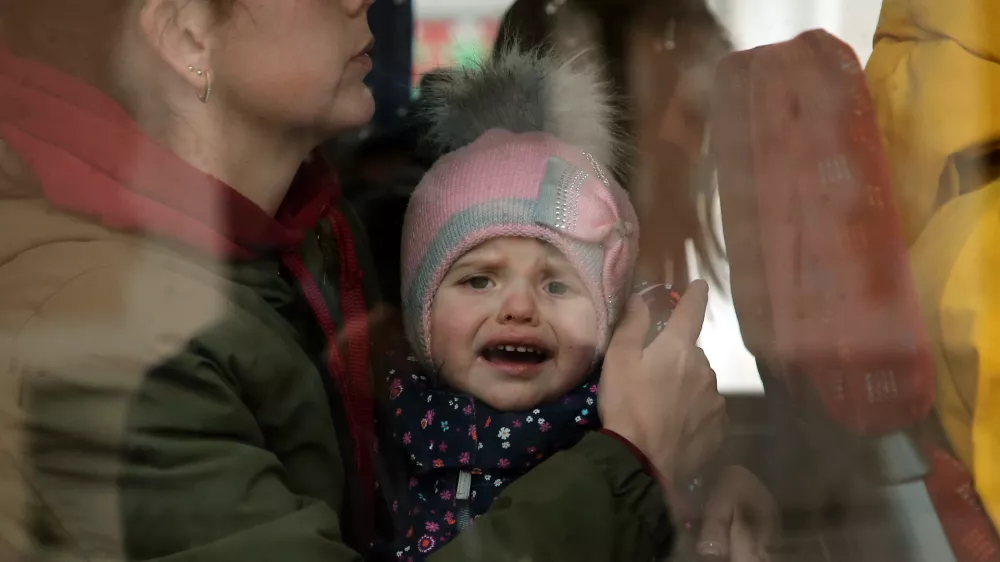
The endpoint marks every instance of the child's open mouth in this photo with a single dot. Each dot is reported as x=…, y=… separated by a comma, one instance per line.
x=515, y=354
x=516, y=358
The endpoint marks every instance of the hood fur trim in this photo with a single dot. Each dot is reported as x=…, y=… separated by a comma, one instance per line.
x=525, y=91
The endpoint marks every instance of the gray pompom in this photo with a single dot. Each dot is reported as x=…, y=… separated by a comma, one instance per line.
x=525, y=91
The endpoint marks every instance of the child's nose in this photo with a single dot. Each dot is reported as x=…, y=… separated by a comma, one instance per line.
x=518, y=307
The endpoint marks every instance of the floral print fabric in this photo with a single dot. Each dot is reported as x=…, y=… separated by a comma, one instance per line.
x=445, y=434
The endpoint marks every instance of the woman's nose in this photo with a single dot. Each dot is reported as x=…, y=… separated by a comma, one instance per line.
x=518, y=307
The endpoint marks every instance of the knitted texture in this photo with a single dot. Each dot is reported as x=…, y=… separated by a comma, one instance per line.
x=524, y=185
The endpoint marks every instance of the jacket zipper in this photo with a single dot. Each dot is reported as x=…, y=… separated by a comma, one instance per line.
x=462, y=495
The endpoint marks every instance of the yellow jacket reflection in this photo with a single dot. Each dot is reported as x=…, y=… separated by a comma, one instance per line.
x=935, y=78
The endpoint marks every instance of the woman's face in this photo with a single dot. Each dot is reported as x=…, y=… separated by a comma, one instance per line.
x=295, y=64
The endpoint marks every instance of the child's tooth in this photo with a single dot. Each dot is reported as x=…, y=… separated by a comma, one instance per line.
x=521, y=349
x=510, y=348
x=529, y=349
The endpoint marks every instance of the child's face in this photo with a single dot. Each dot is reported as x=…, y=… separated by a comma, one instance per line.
x=513, y=324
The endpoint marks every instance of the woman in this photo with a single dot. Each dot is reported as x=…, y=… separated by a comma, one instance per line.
x=183, y=308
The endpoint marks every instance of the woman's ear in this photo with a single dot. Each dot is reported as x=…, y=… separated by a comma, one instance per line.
x=179, y=31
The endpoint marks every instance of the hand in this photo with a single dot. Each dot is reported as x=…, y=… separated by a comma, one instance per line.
x=664, y=398
x=741, y=519
x=701, y=439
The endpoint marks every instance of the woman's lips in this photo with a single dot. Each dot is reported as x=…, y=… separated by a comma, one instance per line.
x=364, y=61
x=363, y=57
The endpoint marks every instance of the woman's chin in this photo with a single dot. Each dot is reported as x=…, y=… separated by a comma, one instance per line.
x=354, y=110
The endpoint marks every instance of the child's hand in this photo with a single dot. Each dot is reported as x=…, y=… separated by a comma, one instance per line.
x=664, y=398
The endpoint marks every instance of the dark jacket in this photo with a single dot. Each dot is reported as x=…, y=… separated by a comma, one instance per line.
x=169, y=387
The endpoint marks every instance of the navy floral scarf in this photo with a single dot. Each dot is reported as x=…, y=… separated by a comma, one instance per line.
x=462, y=453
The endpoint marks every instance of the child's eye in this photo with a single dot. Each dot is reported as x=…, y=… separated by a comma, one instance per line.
x=557, y=288
x=479, y=282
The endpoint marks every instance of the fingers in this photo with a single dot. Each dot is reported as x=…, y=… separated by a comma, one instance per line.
x=742, y=543
x=687, y=319
x=684, y=327
x=631, y=331
x=766, y=519
x=766, y=533
x=740, y=499
x=720, y=511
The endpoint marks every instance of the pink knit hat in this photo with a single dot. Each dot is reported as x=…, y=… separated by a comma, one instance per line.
x=520, y=168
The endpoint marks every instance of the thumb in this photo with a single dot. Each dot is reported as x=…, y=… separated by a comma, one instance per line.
x=632, y=329
x=713, y=542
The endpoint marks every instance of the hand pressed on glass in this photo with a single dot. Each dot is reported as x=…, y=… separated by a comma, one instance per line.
x=664, y=398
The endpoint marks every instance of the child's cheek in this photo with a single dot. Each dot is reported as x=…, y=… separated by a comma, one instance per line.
x=453, y=334
x=577, y=324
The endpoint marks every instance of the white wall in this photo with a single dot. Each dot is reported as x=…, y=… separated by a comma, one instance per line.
x=758, y=22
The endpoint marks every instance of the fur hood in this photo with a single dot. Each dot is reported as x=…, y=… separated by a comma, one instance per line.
x=525, y=91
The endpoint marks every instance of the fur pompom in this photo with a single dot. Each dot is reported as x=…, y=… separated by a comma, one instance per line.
x=525, y=91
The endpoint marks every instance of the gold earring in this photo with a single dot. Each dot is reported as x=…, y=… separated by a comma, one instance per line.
x=207, y=74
